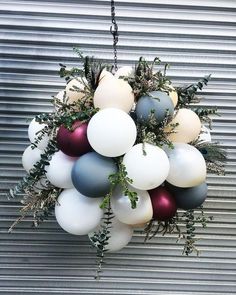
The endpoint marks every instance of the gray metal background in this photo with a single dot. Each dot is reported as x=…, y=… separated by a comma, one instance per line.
x=197, y=37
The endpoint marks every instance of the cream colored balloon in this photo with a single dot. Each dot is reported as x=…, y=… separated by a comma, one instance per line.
x=60, y=95
x=125, y=71
x=74, y=89
x=121, y=207
x=189, y=126
x=173, y=95
x=105, y=75
x=114, y=93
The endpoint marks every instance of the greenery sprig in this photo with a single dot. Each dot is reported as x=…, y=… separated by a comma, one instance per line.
x=100, y=239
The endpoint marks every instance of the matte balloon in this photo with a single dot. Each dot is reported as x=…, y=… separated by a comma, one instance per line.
x=114, y=93
x=73, y=142
x=173, y=95
x=147, y=170
x=105, y=75
x=189, y=126
x=90, y=174
x=74, y=89
x=205, y=135
x=156, y=101
x=189, y=198
x=121, y=207
x=125, y=71
x=187, y=166
x=111, y=132
x=163, y=203
x=77, y=214
x=30, y=157
x=59, y=170
x=33, y=130
x=120, y=235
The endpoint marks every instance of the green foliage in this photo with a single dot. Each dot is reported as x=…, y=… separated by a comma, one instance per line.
x=187, y=94
x=146, y=79
x=120, y=178
x=214, y=156
x=100, y=239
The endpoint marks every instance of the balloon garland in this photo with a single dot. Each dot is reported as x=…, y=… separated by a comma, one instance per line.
x=120, y=151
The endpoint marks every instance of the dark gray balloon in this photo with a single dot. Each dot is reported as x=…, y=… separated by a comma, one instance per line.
x=188, y=198
x=90, y=174
x=158, y=101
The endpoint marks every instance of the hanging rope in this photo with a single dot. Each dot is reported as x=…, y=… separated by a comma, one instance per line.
x=114, y=32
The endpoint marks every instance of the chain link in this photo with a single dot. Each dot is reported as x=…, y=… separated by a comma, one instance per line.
x=114, y=32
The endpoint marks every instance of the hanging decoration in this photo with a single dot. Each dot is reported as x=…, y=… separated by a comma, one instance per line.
x=123, y=148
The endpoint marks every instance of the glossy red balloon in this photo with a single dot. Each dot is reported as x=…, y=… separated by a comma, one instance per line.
x=73, y=143
x=164, y=205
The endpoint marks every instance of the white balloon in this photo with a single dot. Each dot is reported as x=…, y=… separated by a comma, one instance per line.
x=147, y=170
x=30, y=157
x=59, y=170
x=114, y=93
x=120, y=235
x=34, y=128
x=187, y=166
x=111, y=132
x=77, y=214
x=104, y=76
x=205, y=135
x=121, y=207
x=125, y=71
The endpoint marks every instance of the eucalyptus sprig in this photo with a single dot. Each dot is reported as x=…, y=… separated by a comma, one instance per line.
x=187, y=94
x=100, y=239
x=120, y=178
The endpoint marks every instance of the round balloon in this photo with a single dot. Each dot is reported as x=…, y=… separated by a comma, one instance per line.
x=90, y=174
x=189, y=126
x=125, y=71
x=73, y=142
x=173, y=95
x=163, y=203
x=187, y=166
x=33, y=130
x=77, y=214
x=111, y=132
x=156, y=101
x=30, y=157
x=189, y=198
x=74, y=89
x=121, y=207
x=105, y=75
x=114, y=93
x=205, y=135
x=59, y=170
x=120, y=235
x=147, y=165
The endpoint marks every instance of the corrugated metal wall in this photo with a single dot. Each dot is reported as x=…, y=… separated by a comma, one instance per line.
x=197, y=37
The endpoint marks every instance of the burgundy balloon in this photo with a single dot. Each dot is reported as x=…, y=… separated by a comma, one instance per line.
x=73, y=143
x=163, y=204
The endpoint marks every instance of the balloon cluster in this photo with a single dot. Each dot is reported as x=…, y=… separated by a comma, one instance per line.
x=163, y=177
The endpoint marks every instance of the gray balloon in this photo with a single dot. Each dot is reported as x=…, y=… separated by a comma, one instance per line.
x=159, y=102
x=189, y=198
x=90, y=174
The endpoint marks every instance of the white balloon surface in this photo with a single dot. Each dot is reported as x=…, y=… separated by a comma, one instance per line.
x=30, y=157
x=120, y=235
x=111, y=132
x=187, y=166
x=147, y=169
x=125, y=71
x=59, y=170
x=34, y=128
x=77, y=214
x=114, y=93
x=74, y=89
x=121, y=207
